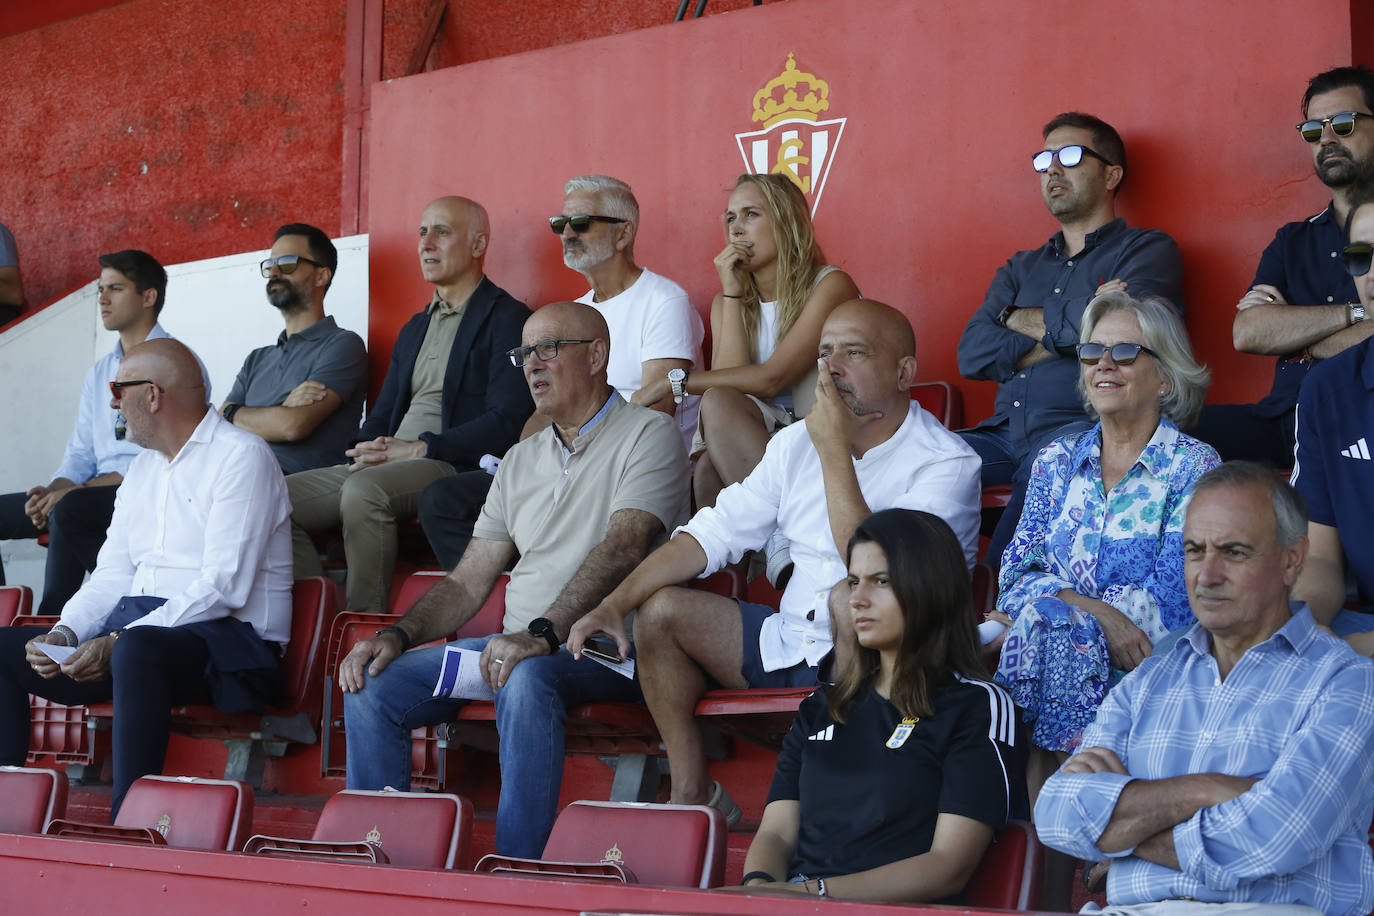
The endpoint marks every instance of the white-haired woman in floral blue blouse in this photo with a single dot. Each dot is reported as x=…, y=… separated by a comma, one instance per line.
x=1093, y=576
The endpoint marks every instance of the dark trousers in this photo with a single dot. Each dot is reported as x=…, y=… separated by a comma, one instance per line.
x=1239, y=431
x=1003, y=463
x=448, y=510
x=151, y=670
x=76, y=531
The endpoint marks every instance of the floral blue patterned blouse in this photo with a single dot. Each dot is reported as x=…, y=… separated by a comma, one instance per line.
x=1124, y=548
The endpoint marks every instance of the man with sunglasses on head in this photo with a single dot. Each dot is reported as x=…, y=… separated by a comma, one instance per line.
x=1302, y=306
x=76, y=505
x=191, y=599
x=450, y=396
x=1025, y=333
x=304, y=394
x=574, y=507
x=1333, y=466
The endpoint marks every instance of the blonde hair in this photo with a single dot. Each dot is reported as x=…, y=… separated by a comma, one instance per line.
x=799, y=257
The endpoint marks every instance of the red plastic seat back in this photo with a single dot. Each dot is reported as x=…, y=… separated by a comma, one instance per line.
x=669, y=845
x=191, y=813
x=15, y=600
x=32, y=798
x=1009, y=876
x=942, y=400
x=416, y=829
x=313, y=603
x=486, y=621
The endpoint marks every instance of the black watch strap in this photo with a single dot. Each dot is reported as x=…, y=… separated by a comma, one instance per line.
x=542, y=626
x=400, y=634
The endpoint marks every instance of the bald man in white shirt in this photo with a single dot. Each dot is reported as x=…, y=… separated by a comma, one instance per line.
x=190, y=601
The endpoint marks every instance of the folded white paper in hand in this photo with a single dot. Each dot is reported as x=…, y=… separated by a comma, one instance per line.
x=460, y=678
x=55, y=652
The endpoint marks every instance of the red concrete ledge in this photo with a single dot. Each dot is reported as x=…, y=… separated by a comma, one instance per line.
x=54, y=875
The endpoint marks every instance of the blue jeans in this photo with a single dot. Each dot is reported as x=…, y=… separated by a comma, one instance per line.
x=531, y=716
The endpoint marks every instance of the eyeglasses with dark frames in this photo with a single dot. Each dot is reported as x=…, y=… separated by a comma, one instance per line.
x=1342, y=125
x=546, y=350
x=1356, y=257
x=285, y=263
x=117, y=388
x=580, y=223
x=1068, y=156
x=1123, y=354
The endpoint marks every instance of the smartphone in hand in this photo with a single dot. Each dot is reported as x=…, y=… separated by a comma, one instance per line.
x=602, y=647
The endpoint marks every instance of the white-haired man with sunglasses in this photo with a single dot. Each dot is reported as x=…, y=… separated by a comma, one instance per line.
x=304, y=393
x=1302, y=306
x=1025, y=333
x=1333, y=467
x=653, y=325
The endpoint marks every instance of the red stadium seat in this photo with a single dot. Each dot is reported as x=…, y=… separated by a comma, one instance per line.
x=428, y=744
x=62, y=732
x=33, y=797
x=1009, y=877
x=942, y=400
x=177, y=811
x=667, y=845
x=418, y=830
x=15, y=600
x=251, y=738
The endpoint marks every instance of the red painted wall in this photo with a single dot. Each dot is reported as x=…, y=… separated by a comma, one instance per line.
x=930, y=188
x=188, y=129
x=194, y=129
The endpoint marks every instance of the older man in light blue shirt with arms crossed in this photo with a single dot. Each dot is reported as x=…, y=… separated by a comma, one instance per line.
x=1234, y=770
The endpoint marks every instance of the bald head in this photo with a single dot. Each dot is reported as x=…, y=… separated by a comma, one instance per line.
x=462, y=211
x=567, y=321
x=882, y=321
x=454, y=232
x=169, y=363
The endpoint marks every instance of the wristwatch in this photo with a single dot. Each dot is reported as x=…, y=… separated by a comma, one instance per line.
x=1355, y=315
x=677, y=379
x=543, y=628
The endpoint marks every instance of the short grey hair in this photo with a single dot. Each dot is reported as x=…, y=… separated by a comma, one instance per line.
x=615, y=196
x=1290, y=509
x=1165, y=334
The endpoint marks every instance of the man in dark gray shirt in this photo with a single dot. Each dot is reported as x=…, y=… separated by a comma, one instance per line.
x=1025, y=333
x=304, y=394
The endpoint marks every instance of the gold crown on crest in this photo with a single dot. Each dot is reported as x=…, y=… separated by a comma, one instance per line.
x=770, y=109
x=373, y=836
x=164, y=824
x=613, y=854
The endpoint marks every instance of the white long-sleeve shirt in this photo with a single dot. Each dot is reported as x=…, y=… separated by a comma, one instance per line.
x=209, y=531
x=922, y=466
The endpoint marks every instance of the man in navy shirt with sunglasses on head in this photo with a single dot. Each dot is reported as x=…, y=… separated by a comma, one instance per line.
x=1025, y=333
x=1302, y=307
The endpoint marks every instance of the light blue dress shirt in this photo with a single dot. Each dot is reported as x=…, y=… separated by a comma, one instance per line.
x=1296, y=712
x=92, y=449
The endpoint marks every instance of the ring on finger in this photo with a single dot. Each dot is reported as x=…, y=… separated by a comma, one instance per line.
x=499, y=661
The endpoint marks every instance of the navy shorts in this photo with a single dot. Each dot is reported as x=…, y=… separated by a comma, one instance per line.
x=801, y=674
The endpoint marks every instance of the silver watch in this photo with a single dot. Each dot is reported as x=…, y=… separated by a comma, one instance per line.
x=1356, y=313
x=677, y=379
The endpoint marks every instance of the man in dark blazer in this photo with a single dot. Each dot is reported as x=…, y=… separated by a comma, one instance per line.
x=450, y=396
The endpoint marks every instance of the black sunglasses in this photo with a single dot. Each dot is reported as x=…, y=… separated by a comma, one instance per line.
x=285, y=263
x=117, y=388
x=545, y=349
x=1356, y=258
x=1123, y=354
x=1068, y=156
x=1342, y=125
x=580, y=223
